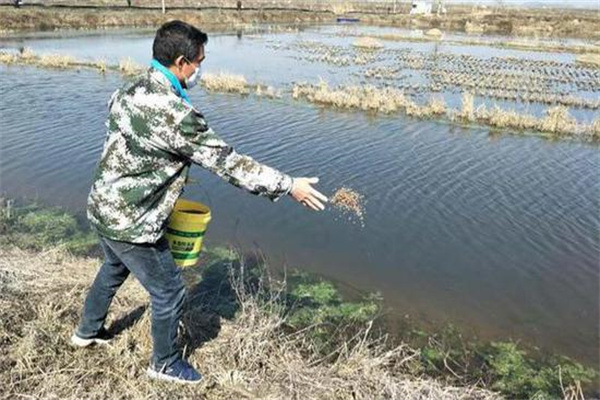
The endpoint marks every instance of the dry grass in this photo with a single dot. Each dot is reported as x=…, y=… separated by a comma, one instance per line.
x=58, y=61
x=339, y=8
x=398, y=37
x=101, y=66
x=434, y=33
x=499, y=118
x=268, y=91
x=536, y=45
x=436, y=107
x=251, y=357
x=225, y=83
x=475, y=28
x=467, y=110
x=558, y=121
x=589, y=59
x=8, y=58
x=129, y=67
x=28, y=57
x=366, y=98
x=220, y=82
x=594, y=130
x=367, y=43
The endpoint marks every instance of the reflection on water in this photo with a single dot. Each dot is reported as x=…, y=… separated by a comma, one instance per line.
x=498, y=235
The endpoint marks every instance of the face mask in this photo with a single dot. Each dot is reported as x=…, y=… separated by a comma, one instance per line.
x=193, y=79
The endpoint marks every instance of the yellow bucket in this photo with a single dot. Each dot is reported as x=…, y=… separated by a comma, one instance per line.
x=185, y=231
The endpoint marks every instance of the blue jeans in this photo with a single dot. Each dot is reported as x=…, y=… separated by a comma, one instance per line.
x=152, y=264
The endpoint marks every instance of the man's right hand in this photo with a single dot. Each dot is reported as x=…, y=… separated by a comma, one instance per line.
x=304, y=193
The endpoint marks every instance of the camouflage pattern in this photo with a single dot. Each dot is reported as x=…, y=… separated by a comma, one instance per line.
x=153, y=137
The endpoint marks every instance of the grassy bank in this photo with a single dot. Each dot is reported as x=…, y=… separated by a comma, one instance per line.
x=473, y=20
x=44, y=19
x=239, y=329
x=251, y=356
x=252, y=336
x=506, y=20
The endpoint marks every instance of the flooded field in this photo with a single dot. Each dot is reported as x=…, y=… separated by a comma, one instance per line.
x=497, y=234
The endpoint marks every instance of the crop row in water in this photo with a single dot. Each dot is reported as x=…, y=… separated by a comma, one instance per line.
x=581, y=74
x=583, y=77
x=314, y=51
x=336, y=55
x=494, y=80
x=504, y=78
x=510, y=87
x=557, y=122
x=523, y=44
x=402, y=81
x=382, y=72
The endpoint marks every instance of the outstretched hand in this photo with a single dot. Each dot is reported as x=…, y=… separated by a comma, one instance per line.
x=304, y=193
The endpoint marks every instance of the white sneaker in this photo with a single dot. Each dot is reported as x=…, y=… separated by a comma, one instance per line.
x=101, y=338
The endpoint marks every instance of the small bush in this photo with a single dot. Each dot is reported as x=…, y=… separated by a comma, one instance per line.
x=519, y=376
x=51, y=226
x=321, y=293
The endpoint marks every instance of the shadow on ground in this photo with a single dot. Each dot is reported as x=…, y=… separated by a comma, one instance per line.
x=210, y=297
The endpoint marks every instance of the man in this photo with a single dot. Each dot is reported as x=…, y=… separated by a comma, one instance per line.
x=154, y=134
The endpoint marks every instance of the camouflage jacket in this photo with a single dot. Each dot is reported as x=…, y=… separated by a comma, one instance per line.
x=153, y=137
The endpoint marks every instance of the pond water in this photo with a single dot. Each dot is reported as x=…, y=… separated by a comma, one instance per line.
x=497, y=234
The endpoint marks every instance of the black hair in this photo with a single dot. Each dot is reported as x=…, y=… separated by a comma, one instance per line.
x=177, y=38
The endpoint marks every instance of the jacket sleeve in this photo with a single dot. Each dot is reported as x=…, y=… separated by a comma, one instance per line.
x=195, y=140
